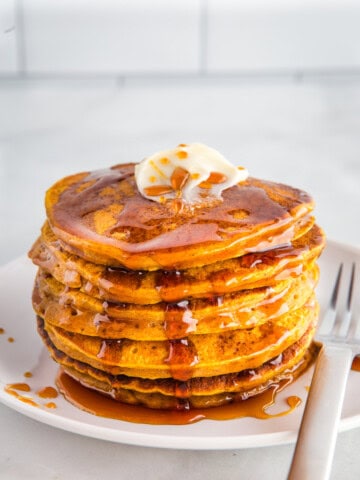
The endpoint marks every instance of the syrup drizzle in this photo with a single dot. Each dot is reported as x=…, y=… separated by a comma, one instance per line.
x=183, y=356
x=139, y=220
x=175, y=285
x=179, y=321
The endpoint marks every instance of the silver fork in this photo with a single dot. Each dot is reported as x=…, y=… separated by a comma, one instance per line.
x=339, y=333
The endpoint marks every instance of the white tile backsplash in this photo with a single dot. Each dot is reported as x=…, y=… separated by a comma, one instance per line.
x=279, y=35
x=8, y=47
x=170, y=37
x=111, y=36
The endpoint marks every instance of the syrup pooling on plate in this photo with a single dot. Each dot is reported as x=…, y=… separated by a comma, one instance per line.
x=100, y=405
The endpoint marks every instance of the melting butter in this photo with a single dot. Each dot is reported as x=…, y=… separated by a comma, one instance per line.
x=191, y=172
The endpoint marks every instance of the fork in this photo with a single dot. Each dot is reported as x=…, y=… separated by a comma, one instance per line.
x=339, y=333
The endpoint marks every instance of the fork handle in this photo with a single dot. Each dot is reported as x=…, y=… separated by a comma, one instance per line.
x=317, y=436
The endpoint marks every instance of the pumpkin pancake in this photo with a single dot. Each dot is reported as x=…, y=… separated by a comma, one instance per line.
x=130, y=286
x=197, y=356
x=171, y=285
x=196, y=392
x=102, y=217
x=77, y=312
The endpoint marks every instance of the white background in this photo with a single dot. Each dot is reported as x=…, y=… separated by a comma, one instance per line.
x=275, y=86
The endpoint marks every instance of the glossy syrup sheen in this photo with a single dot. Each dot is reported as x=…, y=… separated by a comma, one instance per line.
x=100, y=405
x=356, y=364
x=179, y=323
x=47, y=392
x=22, y=392
x=182, y=352
x=172, y=285
x=14, y=389
x=144, y=225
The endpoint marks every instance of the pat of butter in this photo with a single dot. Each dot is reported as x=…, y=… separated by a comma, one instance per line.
x=191, y=172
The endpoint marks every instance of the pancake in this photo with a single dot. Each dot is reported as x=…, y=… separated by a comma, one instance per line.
x=161, y=296
x=197, y=356
x=132, y=286
x=203, y=392
x=80, y=313
x=102, y=217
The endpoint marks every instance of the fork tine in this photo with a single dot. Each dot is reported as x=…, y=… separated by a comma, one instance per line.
x=343, y=303
x=328, y=321
x=351, y=287
x=355, y=321
x=335, y=292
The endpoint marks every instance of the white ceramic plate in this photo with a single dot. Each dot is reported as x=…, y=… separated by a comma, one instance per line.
x=27, y=353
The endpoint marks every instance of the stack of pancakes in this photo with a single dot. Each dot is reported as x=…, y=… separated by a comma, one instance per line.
x=175, y=306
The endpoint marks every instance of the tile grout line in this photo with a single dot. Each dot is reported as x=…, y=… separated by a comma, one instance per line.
x=353, y=73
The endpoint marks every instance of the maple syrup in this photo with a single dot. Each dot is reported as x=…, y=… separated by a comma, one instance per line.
x=22, y=387
x=182, y=358
x=98, y=404
x=14, y=389
x=47, y=392
x=179, y=321
x=138, y=226
x=356, y=364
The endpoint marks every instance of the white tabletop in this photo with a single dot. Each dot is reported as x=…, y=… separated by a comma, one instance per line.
x=305, y=134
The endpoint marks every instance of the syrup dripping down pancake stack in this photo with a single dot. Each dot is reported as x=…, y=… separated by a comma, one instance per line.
x=178, y=282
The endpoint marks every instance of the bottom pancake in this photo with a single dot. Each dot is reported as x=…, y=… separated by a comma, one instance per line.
x=201, y=392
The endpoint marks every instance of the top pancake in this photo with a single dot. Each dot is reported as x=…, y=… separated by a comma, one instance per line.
x=102, y=217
